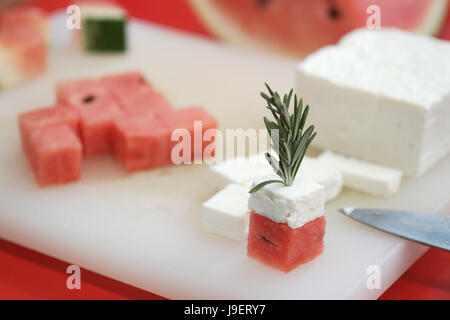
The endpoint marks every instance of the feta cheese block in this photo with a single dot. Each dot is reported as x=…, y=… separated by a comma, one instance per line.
x=226, y=213
x=103, y=27
x=244, y=170
x=381, y=96
x=294, y=205
x=364, y=176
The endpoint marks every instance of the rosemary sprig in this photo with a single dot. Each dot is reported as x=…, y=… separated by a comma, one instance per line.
x=288, y=139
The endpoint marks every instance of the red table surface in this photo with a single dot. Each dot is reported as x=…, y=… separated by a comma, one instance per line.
x=26, y=274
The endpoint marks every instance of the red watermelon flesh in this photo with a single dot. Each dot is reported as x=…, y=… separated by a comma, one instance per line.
x=26, y=51
x=281, y=247
x=55, y=154
x=123, y=81
x=79, y=93
x=299, y=27
x=96, y=123
x=97, y=111
x=140, y=142
x=43, y=118
x=184, y=119
x=142, y=98
x=445, y=32
x=28, y=17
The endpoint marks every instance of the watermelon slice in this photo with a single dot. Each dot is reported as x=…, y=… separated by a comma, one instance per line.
x=140, y=142
x=281, y=247
x=55, y=155
x=299, y=27
x=43, y=118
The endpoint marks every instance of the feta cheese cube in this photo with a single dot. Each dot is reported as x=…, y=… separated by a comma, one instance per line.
x=244, y=170
x=226, y=213
x=381, y=96
x=331, y=179
x=295, y=205
x=364, y=176
x=240, y=171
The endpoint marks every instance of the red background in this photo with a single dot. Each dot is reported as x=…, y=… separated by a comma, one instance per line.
x=25, y=274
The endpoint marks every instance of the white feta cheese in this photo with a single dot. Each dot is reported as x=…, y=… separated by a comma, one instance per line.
x=244, y=170
x=331, y=179
x=381, y=96
x=226, y=213
x=364, y=176
x=241, y=170
x=295, y=205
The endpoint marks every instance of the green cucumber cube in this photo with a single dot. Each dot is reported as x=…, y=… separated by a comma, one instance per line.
x=103, y=29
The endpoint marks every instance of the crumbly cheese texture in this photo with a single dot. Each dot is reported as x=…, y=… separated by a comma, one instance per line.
x=364, y=176
x=294, y=205
x=381, y=96
x=226, y=213
x=244, y=170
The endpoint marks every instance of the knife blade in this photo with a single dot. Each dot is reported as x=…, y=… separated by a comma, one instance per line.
x=429, y=229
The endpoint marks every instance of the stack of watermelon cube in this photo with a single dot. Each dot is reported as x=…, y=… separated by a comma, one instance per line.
x=23, y=45
x=119, y=114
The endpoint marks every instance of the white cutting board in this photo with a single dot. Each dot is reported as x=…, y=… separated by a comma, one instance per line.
x=144, y=229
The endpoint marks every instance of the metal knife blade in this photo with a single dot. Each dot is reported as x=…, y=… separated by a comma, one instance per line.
x=429, y=229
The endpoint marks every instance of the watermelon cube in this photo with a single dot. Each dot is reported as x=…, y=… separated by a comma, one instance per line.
x=46, y=117
x=23, y=55
x=83, y=92
x=96, y=123
x=185, y=119
x=29, y=17
x=140, y=142
x=287, y=223
x=142, y=99
x=103, y=27
x=281, y=247
x=127, y=80
x=55, y=155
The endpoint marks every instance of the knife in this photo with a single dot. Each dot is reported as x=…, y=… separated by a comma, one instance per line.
x=429, y=229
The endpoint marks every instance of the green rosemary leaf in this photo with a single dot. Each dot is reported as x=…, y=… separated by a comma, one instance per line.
x=288, y=102
x=273, y=163
x=263, y=184
x=303, y=141
x=287, y=137
x=304, y=116
x=268, y=88
x=270, y=125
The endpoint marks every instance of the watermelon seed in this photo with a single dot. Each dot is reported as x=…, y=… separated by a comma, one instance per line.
x=89, y=99
x=267, y=240
x=263, y=3
x=334, y=13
